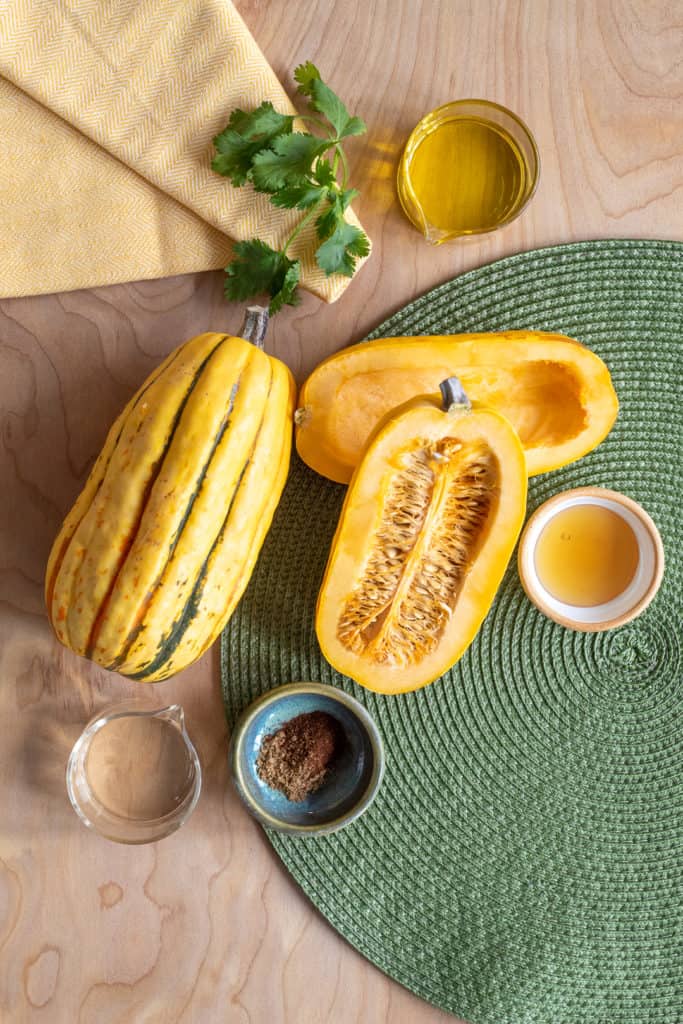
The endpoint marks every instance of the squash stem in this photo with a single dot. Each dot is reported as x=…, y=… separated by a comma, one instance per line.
x=255, y=325
x=453, y=394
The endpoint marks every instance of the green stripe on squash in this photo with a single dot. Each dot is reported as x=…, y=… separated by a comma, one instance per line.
x=169, y=643
x=156, y=373
x=155, y=470
x=178, y=534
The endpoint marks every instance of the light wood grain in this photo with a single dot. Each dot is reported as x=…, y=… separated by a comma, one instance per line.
x=207, y=926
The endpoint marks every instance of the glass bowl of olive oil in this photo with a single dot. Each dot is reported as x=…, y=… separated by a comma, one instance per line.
x=469, y=167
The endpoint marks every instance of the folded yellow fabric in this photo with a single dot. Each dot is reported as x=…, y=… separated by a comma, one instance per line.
x=108, y=109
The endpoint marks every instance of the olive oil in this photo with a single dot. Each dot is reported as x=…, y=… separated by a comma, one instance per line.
x=467, y=168
x=586, y=555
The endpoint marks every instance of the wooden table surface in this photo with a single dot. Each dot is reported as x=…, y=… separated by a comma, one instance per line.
x=207, y=926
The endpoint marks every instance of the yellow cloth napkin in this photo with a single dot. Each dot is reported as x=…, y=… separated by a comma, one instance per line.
x=107, y=112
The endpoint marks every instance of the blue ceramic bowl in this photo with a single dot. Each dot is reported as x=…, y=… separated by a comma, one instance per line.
x=354, y=777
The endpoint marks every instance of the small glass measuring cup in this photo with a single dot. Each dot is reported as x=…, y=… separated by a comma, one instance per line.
x=110, y=775
x=484, y=178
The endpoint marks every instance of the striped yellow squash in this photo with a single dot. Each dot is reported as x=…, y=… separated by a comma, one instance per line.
x=159, y=547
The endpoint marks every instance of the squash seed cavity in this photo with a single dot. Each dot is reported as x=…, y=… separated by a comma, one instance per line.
x=433, y=522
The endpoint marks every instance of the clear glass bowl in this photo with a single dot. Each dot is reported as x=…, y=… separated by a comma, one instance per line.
x=111, y=819
x=489, y=113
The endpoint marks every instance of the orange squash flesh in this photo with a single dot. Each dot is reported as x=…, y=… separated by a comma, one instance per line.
x=428, y=526
x=557, y=394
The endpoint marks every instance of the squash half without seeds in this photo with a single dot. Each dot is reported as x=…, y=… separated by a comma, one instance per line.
x=427, y=529
x=557, y=394
x=160, y=545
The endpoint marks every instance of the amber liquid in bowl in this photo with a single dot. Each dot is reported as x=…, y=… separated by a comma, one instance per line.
x=586, y=555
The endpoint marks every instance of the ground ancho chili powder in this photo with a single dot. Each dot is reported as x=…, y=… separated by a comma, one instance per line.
x=296, y=758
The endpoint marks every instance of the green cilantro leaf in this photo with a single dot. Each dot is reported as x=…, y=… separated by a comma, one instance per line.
x=287, y=293
x=339, y=253
x=287, y=163
x=323, y=172
x=328, y=103
x=246, y=135
x=347, y=197
x=354, y=126
x=299, y=197
x=306, y=74
x=330, y=219
x=264, y=121
x=258, y=269
x=234, y=157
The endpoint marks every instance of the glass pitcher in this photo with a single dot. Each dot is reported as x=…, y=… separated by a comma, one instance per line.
x=134, y=775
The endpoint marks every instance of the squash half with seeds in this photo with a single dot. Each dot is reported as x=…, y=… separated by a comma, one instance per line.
x=427, y=529
x=160, y=545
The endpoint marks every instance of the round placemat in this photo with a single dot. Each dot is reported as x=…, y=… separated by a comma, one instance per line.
x=522, y=862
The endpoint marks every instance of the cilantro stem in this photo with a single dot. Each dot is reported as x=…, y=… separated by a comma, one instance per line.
x=345, y=165
x=301, y=225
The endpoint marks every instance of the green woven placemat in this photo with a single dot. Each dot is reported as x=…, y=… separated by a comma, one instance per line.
x=522, y=863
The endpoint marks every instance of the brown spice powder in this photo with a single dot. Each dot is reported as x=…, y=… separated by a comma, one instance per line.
x=296, y=758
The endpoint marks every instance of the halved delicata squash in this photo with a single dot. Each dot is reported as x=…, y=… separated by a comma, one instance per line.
x=159, y=546
x=427, y=529
x=557, y=394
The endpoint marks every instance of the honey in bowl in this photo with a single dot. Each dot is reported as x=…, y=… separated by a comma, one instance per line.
x=586, y=555
x=468, y=167
x=591, y=559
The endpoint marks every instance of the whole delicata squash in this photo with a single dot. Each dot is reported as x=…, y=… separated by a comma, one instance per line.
x=158, y=548
x=557, y=394
x=426, y=531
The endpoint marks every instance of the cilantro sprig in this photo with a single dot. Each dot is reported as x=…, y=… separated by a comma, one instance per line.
x=298, y=170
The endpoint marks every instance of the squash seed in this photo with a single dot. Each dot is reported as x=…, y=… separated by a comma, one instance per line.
x=432, y=524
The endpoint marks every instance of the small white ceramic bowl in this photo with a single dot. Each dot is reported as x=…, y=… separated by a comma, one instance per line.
x=625, y=606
